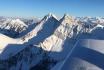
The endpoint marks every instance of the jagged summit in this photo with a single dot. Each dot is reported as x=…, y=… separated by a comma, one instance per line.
x=50, y=15
x=48, y=41
x=18, y=21
x=66, y=19
x=66, y=15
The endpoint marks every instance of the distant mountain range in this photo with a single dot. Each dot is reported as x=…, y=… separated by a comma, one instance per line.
x=50, y=43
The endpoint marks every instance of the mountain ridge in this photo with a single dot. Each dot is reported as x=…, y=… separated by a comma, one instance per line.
x=46, y=41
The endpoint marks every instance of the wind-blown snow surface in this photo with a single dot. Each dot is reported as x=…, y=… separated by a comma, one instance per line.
x=87, y=55
x=49, y=44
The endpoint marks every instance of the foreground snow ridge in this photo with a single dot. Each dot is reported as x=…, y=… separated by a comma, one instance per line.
x=52, y=43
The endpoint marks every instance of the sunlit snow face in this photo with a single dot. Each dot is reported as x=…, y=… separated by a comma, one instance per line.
x=4, y=41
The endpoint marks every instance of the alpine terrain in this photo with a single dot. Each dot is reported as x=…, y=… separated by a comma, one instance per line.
x=52, y=43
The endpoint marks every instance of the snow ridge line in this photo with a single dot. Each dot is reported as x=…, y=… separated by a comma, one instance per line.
x=68, y=55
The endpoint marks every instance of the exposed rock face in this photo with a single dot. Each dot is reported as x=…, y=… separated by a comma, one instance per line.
x=50, y=42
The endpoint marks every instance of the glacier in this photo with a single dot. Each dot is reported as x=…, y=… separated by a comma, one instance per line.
x=50, y=43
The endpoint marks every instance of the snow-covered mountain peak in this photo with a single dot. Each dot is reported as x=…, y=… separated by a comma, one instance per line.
x=12, y=27
x=67, y=19
x=50, y=15
x=18, y=21
x=48, y=41
x=66, y=15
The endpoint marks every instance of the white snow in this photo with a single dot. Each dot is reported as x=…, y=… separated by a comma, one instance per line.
x=75, y=63
x=4, y=41
x=56, y=41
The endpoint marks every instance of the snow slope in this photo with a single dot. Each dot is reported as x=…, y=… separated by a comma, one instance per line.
x=5, y=40
x=44, y=27
x=58, y=42
x=50, y=42
x=88, y=54
x=12, y=27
